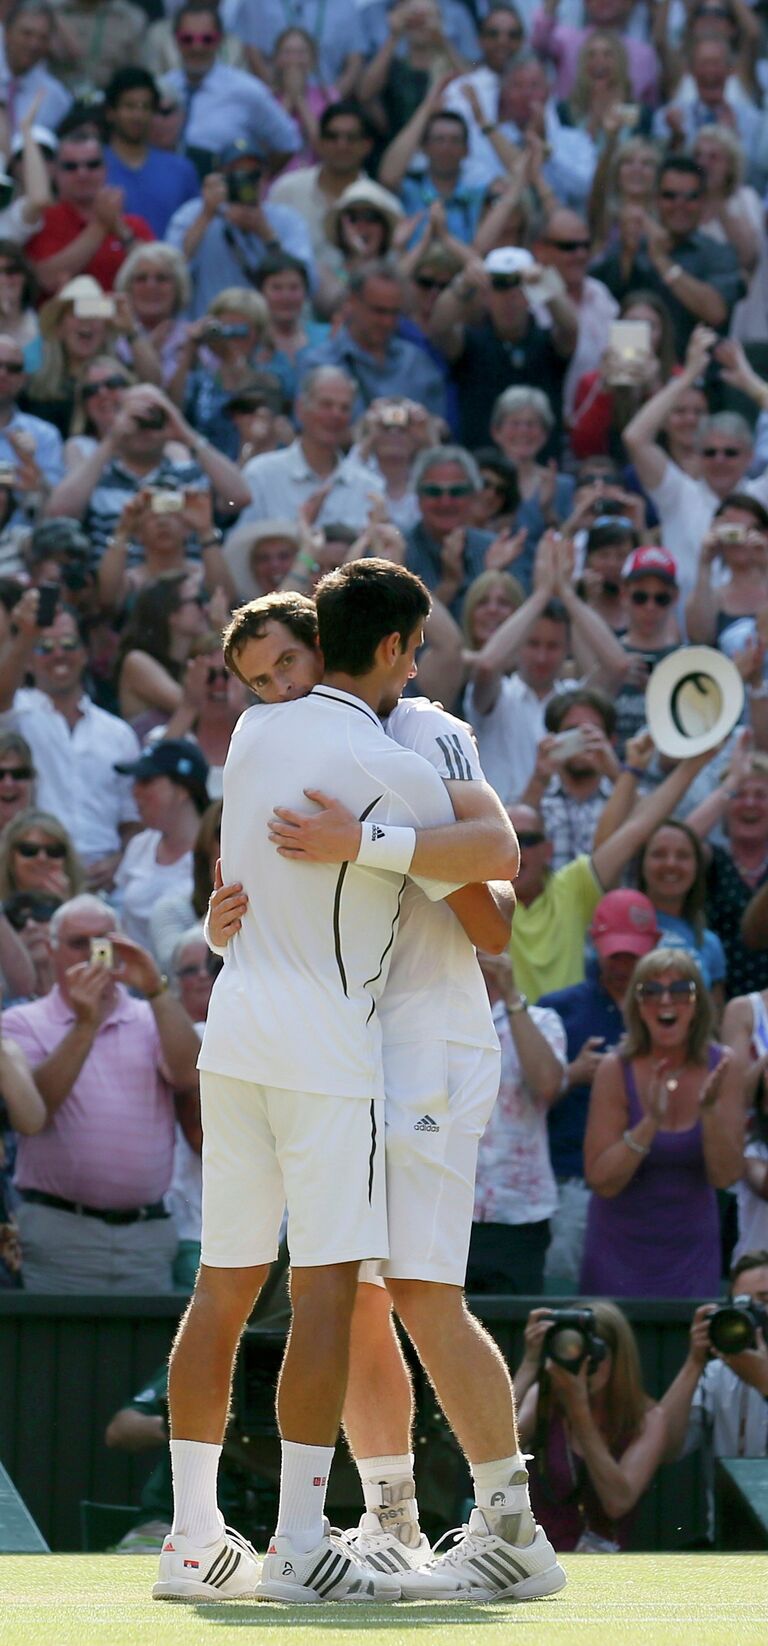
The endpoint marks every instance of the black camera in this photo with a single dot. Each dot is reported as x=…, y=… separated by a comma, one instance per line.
x=571, y=1339
x=244, y=187
x=735, y=1325
x=219, y=330
x=153, y=418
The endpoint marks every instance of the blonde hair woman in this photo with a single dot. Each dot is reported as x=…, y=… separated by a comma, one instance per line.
x=74, y=333
x=625, y=176
x=602, y=81
x=597, y=1437
x=155, y=280
x=664, y=1132
x=219, y=357
x=734, y=215
x=37, y=855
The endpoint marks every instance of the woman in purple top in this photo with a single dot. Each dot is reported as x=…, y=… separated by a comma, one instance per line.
x=596, y=1436
x=664, y=1131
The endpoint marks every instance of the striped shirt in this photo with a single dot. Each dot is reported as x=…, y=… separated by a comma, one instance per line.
x=110, y=1144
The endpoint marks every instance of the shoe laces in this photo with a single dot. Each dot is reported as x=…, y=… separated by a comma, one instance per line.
x=343, y=1542
x=463, y=1543
x=241, y=1542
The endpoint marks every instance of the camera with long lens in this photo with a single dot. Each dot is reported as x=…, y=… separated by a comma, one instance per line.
x=571, y=1339
x=244, y=187
x=735, y=1325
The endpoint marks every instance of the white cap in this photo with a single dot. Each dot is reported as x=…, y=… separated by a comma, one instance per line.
x=45, y=138
x=508, y=260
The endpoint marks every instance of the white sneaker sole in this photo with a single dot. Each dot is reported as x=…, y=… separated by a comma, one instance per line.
x=298, y=1594
x=413, y=1587
x=536, y=1587
x=187, y=1589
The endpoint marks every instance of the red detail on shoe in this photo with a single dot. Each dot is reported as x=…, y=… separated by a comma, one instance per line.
x=320, y=1480
x=194, y=1563
x=169, y=1548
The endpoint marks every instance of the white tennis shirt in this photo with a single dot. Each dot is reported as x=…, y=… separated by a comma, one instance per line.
x=295, y=1004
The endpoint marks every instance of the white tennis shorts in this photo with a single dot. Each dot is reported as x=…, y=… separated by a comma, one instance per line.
x=265, y=1148
x=439, y=1098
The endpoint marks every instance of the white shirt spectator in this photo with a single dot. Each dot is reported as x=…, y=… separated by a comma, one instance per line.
x=509, y=735
x=728, y=1418
x=597, y=309
x=18, y=92
x=686, y=507
x=515, y=1182
x=141, y=882
x=48, y=445
x=281, y=481
x=76, y=777
x=302, y=192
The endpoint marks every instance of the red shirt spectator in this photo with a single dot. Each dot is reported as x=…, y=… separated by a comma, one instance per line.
x=85, y=232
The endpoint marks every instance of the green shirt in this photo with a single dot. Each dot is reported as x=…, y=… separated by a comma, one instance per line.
x=547, y=943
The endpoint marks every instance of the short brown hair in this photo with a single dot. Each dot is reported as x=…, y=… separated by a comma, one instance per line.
x=249, y=622
x=748, y=1260
x=586, y=697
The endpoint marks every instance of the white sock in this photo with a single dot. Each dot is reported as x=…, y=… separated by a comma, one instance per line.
x=303, y=1485
x=389, y=1490
x=195, y=1466
x=501, y=1492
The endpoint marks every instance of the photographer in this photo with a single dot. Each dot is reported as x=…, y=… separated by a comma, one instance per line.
x=226, y=232
x=719, y=1400
x=597, y=1436
x=133, y=455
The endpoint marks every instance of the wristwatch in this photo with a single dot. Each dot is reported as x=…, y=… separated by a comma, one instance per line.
x=162, y=988
x=519, y=1005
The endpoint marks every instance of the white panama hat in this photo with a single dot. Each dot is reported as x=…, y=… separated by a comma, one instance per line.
x=693, y=700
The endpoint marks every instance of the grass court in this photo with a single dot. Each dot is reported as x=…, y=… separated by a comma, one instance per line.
x=611, y=1600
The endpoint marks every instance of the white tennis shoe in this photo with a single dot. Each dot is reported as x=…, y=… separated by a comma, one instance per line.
x=385, y=1553
x=226, y=1570
x=492, y=1569
x=334, y=1570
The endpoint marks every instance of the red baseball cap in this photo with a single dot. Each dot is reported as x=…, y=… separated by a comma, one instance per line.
x=650, y=561
x=624, y=922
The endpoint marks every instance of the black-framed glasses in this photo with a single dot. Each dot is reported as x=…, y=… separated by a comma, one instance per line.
x=570, y=245
x=504, y=282
x=642, y=597
x=683, y=988
x=90, y=389
x=213, y=676
x=19, y=774
x=427, y=282
x=30, y=848
x=445, y=491
x=530, y=837
x=680, y=194
x=14, y=368
x=722, y=451
x=362, y=214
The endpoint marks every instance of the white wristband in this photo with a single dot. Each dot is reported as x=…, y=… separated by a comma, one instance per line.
x=384, y=846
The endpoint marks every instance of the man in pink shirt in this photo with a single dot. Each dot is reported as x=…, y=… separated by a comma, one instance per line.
x=559, y=44
x=91, y=1181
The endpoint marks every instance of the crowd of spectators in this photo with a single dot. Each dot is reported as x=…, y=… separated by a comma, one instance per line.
x=482, y=288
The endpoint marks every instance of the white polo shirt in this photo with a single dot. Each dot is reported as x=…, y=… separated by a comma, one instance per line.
x=76, y=777
x=295, y=1004
x=281, y=481
x=435, y=989
x=508, y=736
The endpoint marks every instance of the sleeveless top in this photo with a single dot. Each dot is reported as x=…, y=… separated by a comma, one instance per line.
x=660, y=1237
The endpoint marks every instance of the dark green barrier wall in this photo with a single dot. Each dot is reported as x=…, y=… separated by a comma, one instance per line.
x=67, y=1364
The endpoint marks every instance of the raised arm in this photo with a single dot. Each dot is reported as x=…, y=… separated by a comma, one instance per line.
x=398, y=155
x=640, y=436
x=26, y=1110
x=613, y=855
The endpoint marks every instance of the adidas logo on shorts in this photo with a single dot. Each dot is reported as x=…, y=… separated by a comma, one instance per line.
x=426, y=1124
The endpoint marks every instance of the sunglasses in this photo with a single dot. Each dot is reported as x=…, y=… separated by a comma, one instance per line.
x=19, y=774
x=362, y=214
x=641, y=597
x=504, y=282
x=721, y=451
x=445, y=491
x=91, y=389
x=28, y=848
x=213, y=676
x=14, y=368
x=11, y=272
x=80, y=165
x=190, y=39
x=570, y=245
x=530, y=837
x=426, y=282
x=682, y=989
x=70, y=644
x=680, y=194
x=44, y=648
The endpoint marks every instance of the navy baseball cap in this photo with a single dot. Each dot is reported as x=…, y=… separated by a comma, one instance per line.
x=173, y=757
x=242, y=149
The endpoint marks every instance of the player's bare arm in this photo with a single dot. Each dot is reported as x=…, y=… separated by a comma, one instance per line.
x=482, y=845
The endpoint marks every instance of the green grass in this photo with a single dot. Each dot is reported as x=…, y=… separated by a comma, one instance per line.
x=612, y=1600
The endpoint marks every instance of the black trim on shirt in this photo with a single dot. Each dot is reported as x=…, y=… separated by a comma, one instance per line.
x=317, y=691
x=337, y=897
x=455, y=758
x=395, y=918
x=372, y=1154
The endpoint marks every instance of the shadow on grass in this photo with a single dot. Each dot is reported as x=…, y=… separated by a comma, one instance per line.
x=352, y=1615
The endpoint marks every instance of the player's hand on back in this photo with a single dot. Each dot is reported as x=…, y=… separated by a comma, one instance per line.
x=330, y=835
x=226, y=907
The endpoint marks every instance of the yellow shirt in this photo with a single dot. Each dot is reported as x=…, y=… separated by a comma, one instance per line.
x=547, y=944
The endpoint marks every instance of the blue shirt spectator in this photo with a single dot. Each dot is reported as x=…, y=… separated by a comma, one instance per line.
x=157, y=188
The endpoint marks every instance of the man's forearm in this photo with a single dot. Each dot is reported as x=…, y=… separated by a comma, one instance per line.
x=15, y=658
x=601, y=640
x=179, y=1041
x=676, y=1406
x=72, y=495
x=501, y=650
x=224, y=475
x=56, y=1075
x=478, y=850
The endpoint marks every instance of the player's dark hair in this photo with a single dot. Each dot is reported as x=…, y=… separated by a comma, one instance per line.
x=249, y=622
x=362, y=603
x=348, y=108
